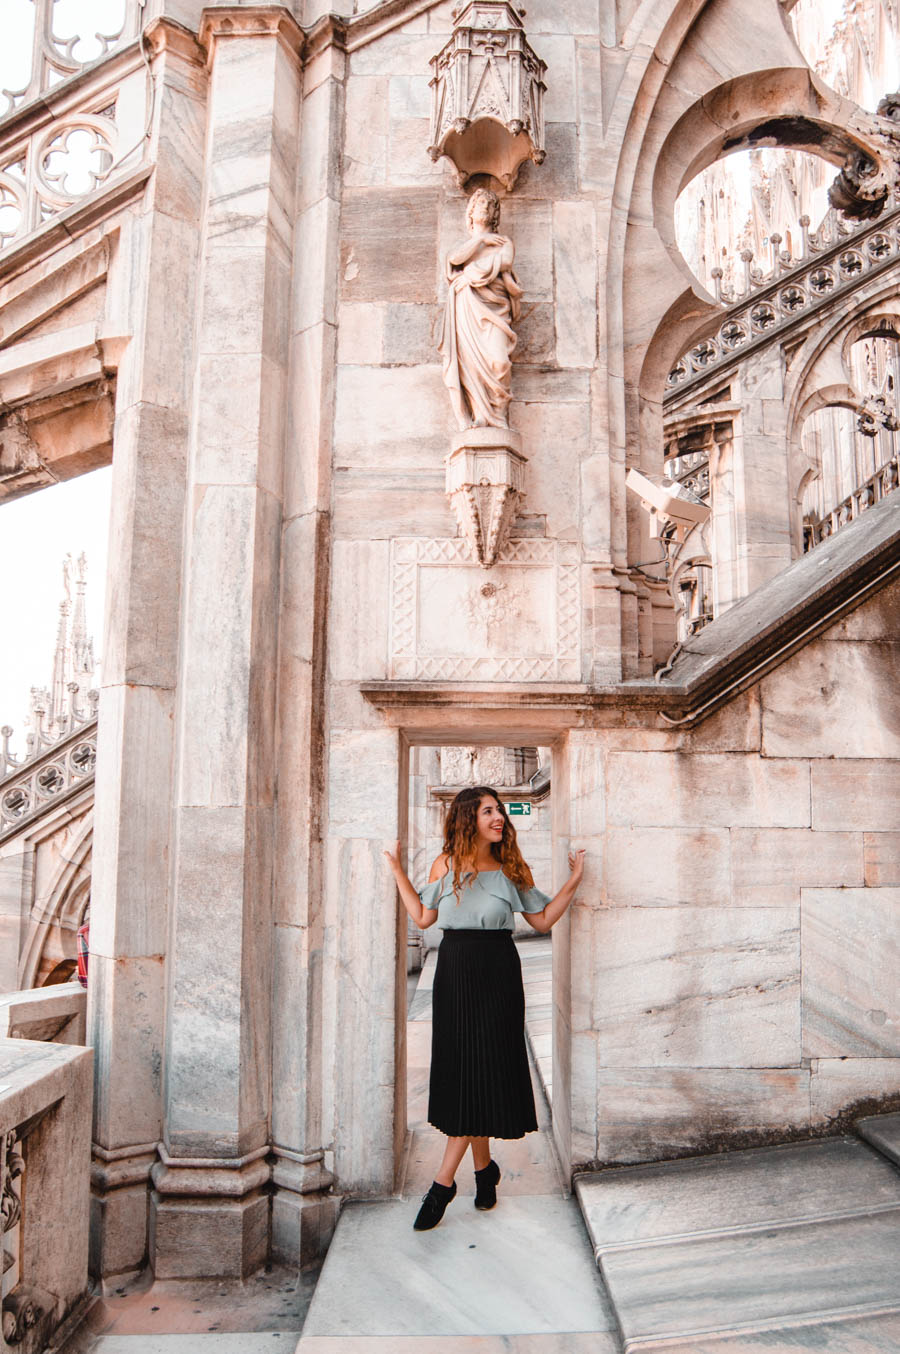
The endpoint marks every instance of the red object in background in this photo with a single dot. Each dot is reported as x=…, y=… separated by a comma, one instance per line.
x=83, y=935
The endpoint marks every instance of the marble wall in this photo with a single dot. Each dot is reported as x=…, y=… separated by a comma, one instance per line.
x=740, y=906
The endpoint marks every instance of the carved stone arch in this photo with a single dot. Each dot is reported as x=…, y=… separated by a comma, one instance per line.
x=64, y=904
x=880, y=320
x=787, y=106
x=820, y=377
x=820, y=373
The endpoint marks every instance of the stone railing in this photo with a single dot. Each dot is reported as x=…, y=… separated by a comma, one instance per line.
x=794, y=290
x=45, y=1144
x=54, y=769
x=50, y=1015
x=65, y=130
x=866, y=495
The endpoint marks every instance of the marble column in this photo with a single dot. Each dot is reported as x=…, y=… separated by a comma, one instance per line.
x=209, y=1212
x=304, y=1210
x=152, y=280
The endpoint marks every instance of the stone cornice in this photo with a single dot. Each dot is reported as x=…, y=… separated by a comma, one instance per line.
x=381, y=19
x=166, y=35
x=256, y=21
x=329, y=31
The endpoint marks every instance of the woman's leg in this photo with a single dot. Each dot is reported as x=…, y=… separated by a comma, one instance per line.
x=454, y=1152
x=481, y=1152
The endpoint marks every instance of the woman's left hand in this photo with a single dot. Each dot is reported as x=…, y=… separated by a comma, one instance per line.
x=576, y=865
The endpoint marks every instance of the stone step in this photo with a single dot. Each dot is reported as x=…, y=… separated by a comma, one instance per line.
x=596, y=1342
x=794, y=1247
x=756, y=1281
x=883, y=1132
x=523, y=1269
x=735, y=1191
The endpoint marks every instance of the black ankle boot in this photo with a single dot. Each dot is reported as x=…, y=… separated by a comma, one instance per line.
x=433, y=1205
x=486, y=1181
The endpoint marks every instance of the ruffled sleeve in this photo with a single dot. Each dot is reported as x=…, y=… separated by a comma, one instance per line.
x=429, y=896
x=528, y=900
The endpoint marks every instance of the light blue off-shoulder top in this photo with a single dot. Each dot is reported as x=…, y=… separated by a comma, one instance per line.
x=487, y=902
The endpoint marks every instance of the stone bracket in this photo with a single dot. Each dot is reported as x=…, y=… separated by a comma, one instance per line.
x=486, y=485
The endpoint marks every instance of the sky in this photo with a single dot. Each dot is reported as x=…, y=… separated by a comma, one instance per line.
x=36, y=533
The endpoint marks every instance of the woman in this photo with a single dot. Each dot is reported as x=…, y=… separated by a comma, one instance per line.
x=480, y=1080
x=482, y=305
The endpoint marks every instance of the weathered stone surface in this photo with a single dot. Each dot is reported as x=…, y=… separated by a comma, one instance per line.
x=659, y=867
x=839, y=1085
x=770, y=866
x=698, y=987
x=717, y=790
x=647, y=1113
x=881, y=851
x=833, y=700
x=850, y=795
x=373, y=222
x=851, y=1005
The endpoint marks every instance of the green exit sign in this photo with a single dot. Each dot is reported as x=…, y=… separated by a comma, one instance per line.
x=519, y=810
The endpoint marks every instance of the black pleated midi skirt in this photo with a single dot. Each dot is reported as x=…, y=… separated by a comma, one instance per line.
x=480, y=1083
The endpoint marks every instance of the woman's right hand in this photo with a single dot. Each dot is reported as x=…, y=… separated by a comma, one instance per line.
x=576, y=865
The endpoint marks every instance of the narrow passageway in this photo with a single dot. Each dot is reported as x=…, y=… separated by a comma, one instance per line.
x=521, y=1277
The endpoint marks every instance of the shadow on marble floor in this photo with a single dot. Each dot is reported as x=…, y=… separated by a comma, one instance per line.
x=177, y=1316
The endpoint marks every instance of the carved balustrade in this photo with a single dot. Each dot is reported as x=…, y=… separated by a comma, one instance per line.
x=66, y=129
x=834, y=262
x=885, y=480
x=52, y=771
x=45, y=1118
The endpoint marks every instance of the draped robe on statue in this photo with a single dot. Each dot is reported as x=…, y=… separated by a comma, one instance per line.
x=478, y=339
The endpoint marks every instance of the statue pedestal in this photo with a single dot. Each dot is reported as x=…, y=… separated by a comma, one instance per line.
x=486, y=484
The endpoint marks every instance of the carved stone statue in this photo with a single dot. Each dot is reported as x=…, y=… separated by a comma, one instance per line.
x=478, y=339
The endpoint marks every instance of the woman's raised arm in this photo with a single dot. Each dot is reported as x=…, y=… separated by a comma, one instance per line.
x=542, y=921
x=422, y=916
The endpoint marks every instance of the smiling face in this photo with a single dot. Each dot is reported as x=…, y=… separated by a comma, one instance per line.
x=489, y=820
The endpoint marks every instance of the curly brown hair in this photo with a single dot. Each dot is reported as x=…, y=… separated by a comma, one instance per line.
x=461, y=840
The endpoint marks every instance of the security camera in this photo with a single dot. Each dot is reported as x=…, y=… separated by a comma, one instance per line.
x=667, y=501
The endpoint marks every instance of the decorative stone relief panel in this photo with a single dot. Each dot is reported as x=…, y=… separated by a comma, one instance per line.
x=450, y=623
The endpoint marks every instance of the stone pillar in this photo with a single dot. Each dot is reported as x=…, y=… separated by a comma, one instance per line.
x=750, y=485
x=209, y=1213
x=303, y=1209
x=365, y=952
x=152, y=279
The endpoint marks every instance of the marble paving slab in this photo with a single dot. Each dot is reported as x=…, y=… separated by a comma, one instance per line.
x=268, y=1342
x=525, y=1268
x=883, y=1132
x=757, y=1280
x=735, y=1191
x=866, y=1335
x=595, y=1342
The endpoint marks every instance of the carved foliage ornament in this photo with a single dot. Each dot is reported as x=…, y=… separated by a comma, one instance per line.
x=487, y=109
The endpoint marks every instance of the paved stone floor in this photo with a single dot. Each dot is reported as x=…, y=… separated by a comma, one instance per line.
x=791, y=1249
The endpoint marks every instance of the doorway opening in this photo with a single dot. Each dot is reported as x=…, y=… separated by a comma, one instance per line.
x=523, y=775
